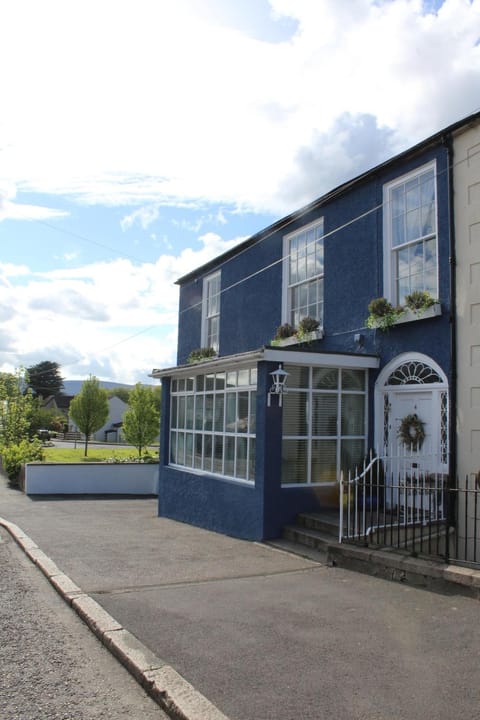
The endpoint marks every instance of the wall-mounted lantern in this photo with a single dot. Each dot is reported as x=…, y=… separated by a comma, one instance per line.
x=279, y=378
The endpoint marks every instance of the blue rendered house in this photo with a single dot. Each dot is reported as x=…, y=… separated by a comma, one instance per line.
x=239, y=458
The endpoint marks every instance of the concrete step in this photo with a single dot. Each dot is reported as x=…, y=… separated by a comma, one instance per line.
x=309, y=537
x=326, y=523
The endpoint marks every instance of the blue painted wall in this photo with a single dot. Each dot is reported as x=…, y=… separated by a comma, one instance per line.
x=250, y=314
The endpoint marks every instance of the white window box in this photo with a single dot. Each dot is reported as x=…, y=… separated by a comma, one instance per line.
x=411, y=315
x=295, y=340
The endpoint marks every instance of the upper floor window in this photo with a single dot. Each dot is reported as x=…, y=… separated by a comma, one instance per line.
x=303, y=274
x=410, y=235
x=211, y=311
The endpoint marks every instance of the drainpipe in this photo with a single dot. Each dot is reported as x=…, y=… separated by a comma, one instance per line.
x=452, y=420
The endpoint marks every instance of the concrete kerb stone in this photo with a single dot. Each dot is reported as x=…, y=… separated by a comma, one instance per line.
x=170, y=690
x=178, y=698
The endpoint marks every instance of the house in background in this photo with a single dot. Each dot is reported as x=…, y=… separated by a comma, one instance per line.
x=239, y=458
x=112, y=430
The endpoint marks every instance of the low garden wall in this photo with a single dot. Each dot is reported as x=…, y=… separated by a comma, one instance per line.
x=91, y=479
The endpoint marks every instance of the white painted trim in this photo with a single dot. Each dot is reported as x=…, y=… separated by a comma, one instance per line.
x=388, y=270
x=321, y=359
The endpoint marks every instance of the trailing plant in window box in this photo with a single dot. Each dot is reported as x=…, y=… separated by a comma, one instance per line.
x=419, y=300
x=200, y=354
x=285, y=331
x=382, y=314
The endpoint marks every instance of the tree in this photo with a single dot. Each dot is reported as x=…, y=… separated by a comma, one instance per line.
x=89, y=409
x=141, y=421
x=121, y=392
x=45, y=379
x=16, y=406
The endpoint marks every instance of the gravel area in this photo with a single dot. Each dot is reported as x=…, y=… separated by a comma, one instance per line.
x=51, y=666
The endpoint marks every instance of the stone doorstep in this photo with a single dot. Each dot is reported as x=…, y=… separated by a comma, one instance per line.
x=420, y=572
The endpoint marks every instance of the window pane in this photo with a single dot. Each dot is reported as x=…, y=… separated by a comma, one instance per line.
x=209, y=382
x=200, y=383
x=219, y=404
x=324, y=461
x=181, y=448
x=251, y=459
x=190, y=384
x=253, y=413
x=207, y=450
x=324, y=414
x=295, y=409
x=253, y=377
x=325, y=378
x=199, y=412
x=241, y=457
x=398, y=231
x=173, y=417
x=197, y=458
x=189, y=412
x=173, y=447
x=232, y=379
x=181, y=412
x=231, y=413
x=243, y=377
x=413, y=225
x=220, y=381
x=294, y=461
x=188, y=449
x=218, y=455
x=242, y=422
x=353, y=414
x=208, y=416
x=229, y=468
x=298, y=376
x=352, y=454
x=353, y=379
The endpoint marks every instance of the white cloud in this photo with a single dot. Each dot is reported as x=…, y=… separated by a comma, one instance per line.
x=11, y=210
x=145, y=216
x=139, y=120
x=114, y=319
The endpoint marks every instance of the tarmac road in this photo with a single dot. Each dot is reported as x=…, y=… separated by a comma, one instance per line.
x=263, y=634
x=51, y=666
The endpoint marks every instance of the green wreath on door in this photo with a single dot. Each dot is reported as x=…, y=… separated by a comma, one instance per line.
x=412, y=432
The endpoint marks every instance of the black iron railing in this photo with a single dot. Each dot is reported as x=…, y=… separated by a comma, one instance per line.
x=396, y=502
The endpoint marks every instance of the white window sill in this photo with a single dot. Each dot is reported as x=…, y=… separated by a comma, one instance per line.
x=295, y=340
x=412, y=316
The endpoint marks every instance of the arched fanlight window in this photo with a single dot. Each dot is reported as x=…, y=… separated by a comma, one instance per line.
x=413, y=373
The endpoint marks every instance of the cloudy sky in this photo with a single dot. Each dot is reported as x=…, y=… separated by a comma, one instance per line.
x=140, y=138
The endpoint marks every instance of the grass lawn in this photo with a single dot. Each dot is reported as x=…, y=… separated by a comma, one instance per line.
x=73, y=455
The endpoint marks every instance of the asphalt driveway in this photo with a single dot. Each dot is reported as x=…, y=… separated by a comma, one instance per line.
x=263, y=634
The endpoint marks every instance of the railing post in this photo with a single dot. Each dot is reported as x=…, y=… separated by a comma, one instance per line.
x=340, y=524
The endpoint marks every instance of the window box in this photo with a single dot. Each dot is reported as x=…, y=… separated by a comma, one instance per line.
x=296, y=340
x=412, y=315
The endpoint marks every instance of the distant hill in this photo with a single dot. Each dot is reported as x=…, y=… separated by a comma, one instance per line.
x=73, y=387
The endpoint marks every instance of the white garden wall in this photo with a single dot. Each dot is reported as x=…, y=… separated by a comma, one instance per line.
x=91, y=479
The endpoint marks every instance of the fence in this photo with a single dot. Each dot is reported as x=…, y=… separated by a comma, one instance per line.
x=397, y=502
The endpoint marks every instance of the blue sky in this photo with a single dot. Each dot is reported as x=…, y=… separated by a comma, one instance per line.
x=140, y=139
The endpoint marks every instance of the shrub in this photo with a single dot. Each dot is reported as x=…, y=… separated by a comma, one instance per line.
x=419, y=300
x=307, y=325
x=382, y=314
x=201, y=354
x=285, y=331
x=14, y=456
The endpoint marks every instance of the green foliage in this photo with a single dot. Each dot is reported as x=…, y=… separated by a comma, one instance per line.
x=141, y=421
x=123, y=393
x=285, y=331
x=95, y=454
x=16, y=407
x=14, y=456
x=89, y=409
x=47, y=418
x=308, y=325
x=419, y=300
x=44, y=379
x=201, y=354
x=382, y=314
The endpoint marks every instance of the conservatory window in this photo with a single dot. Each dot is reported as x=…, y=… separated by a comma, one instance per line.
x=213, y=423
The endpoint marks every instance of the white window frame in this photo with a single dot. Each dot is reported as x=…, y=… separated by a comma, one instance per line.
x=287, y=287
x=206, y=316
x=389, y=255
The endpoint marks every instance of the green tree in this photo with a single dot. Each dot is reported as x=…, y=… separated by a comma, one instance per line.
x=121, y=392
x=141, y=421
x=16, y=406
x=89, y=409
x=45, y=379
